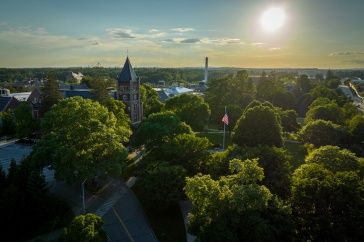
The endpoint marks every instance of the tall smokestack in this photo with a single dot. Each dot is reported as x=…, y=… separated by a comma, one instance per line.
x=206, y=68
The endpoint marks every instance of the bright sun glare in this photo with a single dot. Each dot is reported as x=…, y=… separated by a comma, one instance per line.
x=272, y=19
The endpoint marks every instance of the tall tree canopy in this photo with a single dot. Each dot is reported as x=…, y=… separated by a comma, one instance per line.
x=24, y=123
x=7, y=123
x=191, y=109
x=188, y=151
x=328, y=196
x=150, y=100
x=86, y=228
x=322, y=132
x=118, y=109
x=81, y=140
x=329, y=112
x=258, y=126
x=49, y=93
x=275, y=162
x=158, y=128
x=234, y=208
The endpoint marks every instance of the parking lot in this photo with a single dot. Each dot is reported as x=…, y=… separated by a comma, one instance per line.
x=13, y=150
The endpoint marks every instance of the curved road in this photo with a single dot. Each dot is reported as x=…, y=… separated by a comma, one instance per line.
x=116, y=204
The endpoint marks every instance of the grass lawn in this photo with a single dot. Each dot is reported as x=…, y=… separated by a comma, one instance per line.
x=167, y=223
x=298, y=153
x=217, y=138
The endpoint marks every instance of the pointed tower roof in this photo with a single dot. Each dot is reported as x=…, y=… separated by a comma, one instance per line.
x=127, y=74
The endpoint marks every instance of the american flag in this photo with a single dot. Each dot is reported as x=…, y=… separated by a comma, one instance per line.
x=225, y=119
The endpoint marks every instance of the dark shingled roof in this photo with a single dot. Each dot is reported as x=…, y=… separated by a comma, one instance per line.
x=127, y=74
x=4, y=102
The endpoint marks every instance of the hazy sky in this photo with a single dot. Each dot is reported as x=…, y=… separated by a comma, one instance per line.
x=180, y=33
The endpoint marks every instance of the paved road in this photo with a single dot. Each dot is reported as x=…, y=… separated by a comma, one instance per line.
x=121, y=211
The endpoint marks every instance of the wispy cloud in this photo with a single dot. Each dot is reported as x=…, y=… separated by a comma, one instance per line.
x=207, y=41
x=355, y=61
x=275, y=48
x=348, y=53
x=121, y=33
x=154, y=31
x=168, y=40
x=117, y=33
x=182, y=30
x=224, y=41
x=83, y=38
x=190, y=41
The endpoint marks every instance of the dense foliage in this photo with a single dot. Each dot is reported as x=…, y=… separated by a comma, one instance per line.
x=85, y=228
x=81, y=139
x=191, y=109
x=258, y=126
x=234, y=207
x=158, y=128
x=328, y=196
x=27, y=207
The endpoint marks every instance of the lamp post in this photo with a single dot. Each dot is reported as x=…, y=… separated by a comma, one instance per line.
x=83, y=195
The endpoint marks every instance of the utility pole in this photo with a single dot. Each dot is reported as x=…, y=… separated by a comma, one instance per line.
x=83, y=196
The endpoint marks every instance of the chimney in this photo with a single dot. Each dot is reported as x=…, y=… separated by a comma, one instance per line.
x=206, y=68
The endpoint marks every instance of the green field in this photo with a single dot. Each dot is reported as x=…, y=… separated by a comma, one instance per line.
x=217, y=139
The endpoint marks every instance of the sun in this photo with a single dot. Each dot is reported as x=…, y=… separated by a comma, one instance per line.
x=273, y=19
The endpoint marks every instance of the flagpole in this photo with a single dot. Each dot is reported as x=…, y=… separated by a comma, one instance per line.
x=223, y=140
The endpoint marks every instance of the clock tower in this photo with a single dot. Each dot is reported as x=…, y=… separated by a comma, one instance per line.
x=128, y=92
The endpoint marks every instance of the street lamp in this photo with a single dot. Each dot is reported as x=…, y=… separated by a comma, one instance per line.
x=83, y=195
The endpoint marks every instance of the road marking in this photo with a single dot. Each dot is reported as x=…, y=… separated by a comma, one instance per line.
x=122, y=223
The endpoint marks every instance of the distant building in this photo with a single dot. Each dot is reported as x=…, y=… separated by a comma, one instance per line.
x=80, y=90
x=128, y=91
x=77, y=76
x=174, y=91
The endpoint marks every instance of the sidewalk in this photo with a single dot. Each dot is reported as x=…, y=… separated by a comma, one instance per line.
x=185, y=207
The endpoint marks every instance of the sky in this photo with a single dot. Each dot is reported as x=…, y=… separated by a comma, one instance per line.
x=181, y=33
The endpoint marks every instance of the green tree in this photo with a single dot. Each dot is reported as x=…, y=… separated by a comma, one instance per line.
x=8, y=126
x=188, y=151
x=320, y=101
x=329, y=112
x=356, y=129
x=303, y=83
x=191, y=109
x=50, y=94
x=323, y=92
x=118, y=109
x=159, y=128
x=234, y=112
x=99, y=91
x=241, y=89
x=275, y=163
x=268, y=89
x=289, y=120
x=223, y=209
x=328, y=196
x=24, y=122
x=85, y=228
x=258, y=126
x=350, y=111
x=26, y=202
x=150, y=100
x=217, y=97
x=162, y=183
x=321, y=132
x=82, y=139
